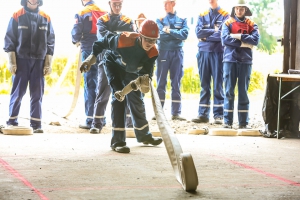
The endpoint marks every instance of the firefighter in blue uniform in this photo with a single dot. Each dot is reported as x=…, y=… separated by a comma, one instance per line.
x=29, y=42
x=173, y=32
x=239, y=35
x=131, y=55
x=84, y=33
x=210, y=66
x=110, y=23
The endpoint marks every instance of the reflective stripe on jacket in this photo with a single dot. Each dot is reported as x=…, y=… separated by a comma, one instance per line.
x=30, y=34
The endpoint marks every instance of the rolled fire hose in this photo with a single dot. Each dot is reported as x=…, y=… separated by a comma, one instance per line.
x=77, y=85
x=182, y=163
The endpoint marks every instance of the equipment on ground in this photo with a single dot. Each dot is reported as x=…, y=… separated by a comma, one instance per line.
x=182, y=163
x=195, y=131
x=17, y=130
x=223, y=132
x=76, y=89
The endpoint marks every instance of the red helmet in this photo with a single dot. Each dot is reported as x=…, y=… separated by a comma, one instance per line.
x=149, y=29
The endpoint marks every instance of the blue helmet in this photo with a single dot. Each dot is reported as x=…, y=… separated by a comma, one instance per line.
x=24, y=2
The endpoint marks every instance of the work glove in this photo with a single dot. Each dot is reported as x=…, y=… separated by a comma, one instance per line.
x=143, y=83
x=166, y=29
x=236, y=36
x=12, y=62
x=246, y=45
x=77, y=44
x=47, y=65
x=87, y=63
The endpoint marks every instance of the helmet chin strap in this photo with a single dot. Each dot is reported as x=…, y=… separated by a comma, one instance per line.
x=37, y=3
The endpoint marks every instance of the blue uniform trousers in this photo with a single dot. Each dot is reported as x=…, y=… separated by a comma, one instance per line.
x=90, y=86
x=236, y=72
x=210, y=66
x=118, y=79
x=28, y=71
x=102, y=97
x=170, y=60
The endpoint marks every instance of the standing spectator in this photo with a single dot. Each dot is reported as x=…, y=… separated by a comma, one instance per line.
x=29, y=43
x=239, y=35
x=128, y=55
x=110, y=23
x=210, y=57
x=139, y=20
x=173, y=32
x=84, y=34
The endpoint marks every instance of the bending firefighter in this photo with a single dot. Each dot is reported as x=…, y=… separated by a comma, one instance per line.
x=130, y=56
x=29, y=42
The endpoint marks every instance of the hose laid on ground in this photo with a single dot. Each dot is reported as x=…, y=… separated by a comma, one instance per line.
x=182, y=163
x=77, y=86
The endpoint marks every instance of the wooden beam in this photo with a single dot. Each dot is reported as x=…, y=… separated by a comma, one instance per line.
x=286, y=35
x=293, y=33
x=297, y=63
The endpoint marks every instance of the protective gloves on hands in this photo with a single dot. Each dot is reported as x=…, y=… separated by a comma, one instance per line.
x=246, y=45
x=166, y=30
x=77, y=44
x=87, y=63
x=47, y=65
x=12, y=62
x=236, y=36
x=142, y=83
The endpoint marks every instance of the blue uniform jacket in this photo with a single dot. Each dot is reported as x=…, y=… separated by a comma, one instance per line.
x=250, y=34
x=111, y=24
x=178, y=32
x=85, y=29
x=30, y=34
x=126, y=53
x=209, y=39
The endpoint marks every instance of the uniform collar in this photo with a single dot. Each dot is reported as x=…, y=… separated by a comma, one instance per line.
x=238, y=19
x=32, y=11
x=214, y=10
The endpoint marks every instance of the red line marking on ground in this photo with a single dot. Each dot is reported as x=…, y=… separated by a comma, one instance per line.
x=21, y=178
x=110, y=188
x=260, y=171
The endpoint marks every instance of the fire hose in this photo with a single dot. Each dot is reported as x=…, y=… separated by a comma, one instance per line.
x=182, y=163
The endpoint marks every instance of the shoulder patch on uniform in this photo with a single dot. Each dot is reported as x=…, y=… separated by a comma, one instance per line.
x=223, y=12
x=125, y=41
x=152, y=52
x=19, y=13
x=204, y=13
x=105, y=18
x=249, y=22
x=125, y=19
x=93, y=7
x=229, y=21
x=84, y=11
x=45, y=15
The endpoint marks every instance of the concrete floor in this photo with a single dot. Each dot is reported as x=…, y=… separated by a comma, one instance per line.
x=82, y=166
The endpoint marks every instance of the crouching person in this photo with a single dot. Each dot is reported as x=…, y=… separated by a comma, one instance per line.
x=132, y=57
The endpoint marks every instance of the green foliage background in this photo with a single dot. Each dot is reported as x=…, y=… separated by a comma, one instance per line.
x=265, y=16
x=190, y=81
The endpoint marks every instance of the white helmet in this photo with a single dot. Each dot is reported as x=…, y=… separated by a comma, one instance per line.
x=241, y=3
